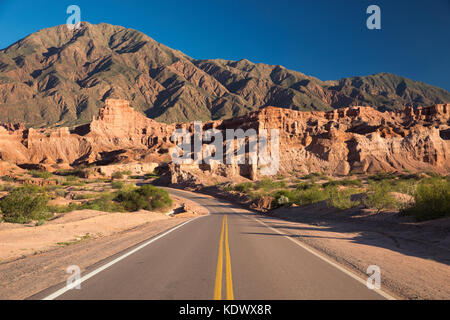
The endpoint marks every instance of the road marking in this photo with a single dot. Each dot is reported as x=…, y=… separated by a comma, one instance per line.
x=218, y=284
x=307, y=248
x=229, y=278
x=219, y=271
x=109, y=264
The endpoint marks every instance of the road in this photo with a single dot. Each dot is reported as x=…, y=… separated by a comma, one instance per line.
x=223, y=255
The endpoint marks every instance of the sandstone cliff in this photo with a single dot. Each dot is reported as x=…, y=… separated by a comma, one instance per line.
x=353, y=139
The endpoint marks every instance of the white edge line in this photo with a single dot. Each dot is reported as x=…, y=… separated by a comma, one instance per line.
x=307, y=248
x=109, y=264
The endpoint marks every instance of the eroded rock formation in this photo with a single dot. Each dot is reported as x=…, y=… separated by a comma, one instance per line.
x=354, y=139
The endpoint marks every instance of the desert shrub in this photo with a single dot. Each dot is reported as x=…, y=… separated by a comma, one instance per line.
x=117, y=175
x=117, y=184
x=305, y=186
x=340, y=199
x=151, y=175
x=147, y=197
x=82, y=196
x=283, y=200
x=71, y=178
x=379, y=196
x=244, y=187
x=410, y=176
x=73, y=181
x=311, y=195
x=268, y=184
x=431, y=199
x=24, y=204
x=7, y=178
x=104, y=203
x=59, y=192
x=406, y=186
x=63, y=209
x=381, y=176
x=280, y=196
x=40, y=174
x=313, y=175
x=70, y=172
x=343, y=182
x=6, y=187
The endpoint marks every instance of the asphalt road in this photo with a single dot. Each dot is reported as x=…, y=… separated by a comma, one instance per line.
x=224, y=255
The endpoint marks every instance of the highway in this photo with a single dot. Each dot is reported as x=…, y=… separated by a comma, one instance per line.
x=221, y=256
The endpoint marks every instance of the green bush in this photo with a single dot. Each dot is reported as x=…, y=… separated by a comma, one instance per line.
x=82, y=196
x=151, y=175
x=311, y=195
x=25, y=204
x=313, y=175
x=280, y=196
x=340, y=199
x=268, y=184
x=70, y=172
x=6, y=187
x=283, y=200
x=8, y=179
x=40, y=174
x=244, y=187
x=117, y=184
x=60, y=192
x=105, y=203
x=343, y=182
x=381, y=176
x=117, y=175
x=63, y=209
x=305, y=186
x=147, y=197
x=431, y=199
x=379, y=196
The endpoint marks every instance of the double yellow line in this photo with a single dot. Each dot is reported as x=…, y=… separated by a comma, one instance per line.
x=228, y=278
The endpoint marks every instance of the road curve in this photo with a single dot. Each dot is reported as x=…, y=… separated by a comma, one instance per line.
x=223, y=255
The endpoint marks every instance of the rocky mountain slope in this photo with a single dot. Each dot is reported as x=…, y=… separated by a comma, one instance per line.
x=61, y=77
x=354, y=139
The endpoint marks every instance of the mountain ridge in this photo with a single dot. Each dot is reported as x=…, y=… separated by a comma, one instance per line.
x=57, y=77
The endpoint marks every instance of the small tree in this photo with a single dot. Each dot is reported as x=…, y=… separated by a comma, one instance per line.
x=24, y=204
x=379, y=196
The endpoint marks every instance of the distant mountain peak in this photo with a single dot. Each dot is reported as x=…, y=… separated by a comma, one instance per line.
x=61, y=77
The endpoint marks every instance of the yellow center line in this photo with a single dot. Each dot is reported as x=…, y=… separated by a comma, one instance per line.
x=229, y=279
x=218, y=284
x=219, y=271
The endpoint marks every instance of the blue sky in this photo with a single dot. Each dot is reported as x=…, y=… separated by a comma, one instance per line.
x=326, y=39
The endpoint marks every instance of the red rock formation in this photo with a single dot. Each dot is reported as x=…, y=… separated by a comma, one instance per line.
x=354, y=139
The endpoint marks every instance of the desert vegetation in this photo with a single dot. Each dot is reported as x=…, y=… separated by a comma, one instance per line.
x=41, y=195
x=422, y=196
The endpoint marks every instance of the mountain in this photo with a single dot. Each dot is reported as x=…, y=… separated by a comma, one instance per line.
x=60, y=77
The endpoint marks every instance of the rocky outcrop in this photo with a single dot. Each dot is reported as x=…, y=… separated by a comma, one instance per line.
x=348, y=140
